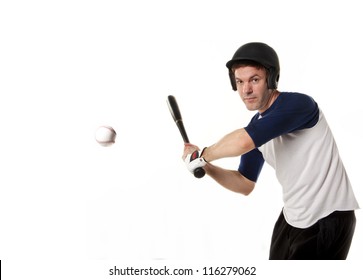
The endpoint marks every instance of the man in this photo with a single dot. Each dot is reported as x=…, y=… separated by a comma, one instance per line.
x=289, y=132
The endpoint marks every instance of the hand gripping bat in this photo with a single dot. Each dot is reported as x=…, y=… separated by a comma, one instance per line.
x=175, y=113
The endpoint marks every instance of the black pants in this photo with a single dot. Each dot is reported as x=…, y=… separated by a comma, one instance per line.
x=327, y=239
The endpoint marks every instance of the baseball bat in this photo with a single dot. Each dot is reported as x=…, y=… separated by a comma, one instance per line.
x=177, y=117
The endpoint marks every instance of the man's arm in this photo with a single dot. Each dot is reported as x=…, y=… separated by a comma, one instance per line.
x=233, y=144
x=230, y=179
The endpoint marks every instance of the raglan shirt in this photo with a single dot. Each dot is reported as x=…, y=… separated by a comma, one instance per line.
x=294, y=137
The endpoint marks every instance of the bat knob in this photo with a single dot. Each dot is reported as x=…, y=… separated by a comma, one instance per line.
x=199, y=172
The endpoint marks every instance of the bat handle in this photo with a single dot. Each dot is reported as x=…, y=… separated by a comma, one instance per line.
x=199, y=172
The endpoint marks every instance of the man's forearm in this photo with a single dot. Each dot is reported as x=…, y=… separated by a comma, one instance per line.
x=230, y=179
x=233, y=144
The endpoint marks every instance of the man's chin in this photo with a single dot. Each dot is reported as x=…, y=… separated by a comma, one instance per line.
x=251, y=108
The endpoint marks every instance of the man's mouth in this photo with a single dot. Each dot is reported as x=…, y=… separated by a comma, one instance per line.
x=249, y=99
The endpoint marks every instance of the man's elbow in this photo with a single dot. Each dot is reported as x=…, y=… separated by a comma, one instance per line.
x=247, y=190
x=247, y=186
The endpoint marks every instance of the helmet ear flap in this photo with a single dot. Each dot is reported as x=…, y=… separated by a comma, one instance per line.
x=273, y=78
x=233, y=80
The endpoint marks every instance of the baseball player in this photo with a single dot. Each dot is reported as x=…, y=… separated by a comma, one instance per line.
x=290, y=133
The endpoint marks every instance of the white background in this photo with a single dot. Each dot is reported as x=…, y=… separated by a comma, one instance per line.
x=67, y=67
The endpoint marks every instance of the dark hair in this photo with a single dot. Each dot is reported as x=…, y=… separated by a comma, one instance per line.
x=247, y=63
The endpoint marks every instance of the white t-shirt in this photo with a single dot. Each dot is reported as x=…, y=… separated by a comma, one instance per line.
x=294, y=137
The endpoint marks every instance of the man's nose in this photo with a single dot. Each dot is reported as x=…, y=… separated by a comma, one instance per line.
x=247, y=88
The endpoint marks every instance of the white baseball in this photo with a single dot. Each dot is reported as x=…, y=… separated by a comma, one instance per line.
x=105, y=135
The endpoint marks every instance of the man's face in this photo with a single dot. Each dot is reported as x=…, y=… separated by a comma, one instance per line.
x=252, y=87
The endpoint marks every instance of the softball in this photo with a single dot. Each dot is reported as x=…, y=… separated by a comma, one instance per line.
x=105, y=136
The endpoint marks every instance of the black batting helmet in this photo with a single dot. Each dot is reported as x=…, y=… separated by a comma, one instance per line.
x=260, y=53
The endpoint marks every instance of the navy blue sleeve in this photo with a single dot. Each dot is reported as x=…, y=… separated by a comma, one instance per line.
x=251, y=164
x=289, y=112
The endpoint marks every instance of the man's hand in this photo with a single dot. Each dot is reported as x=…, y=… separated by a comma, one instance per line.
x=193, y=161
x=189, y=149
